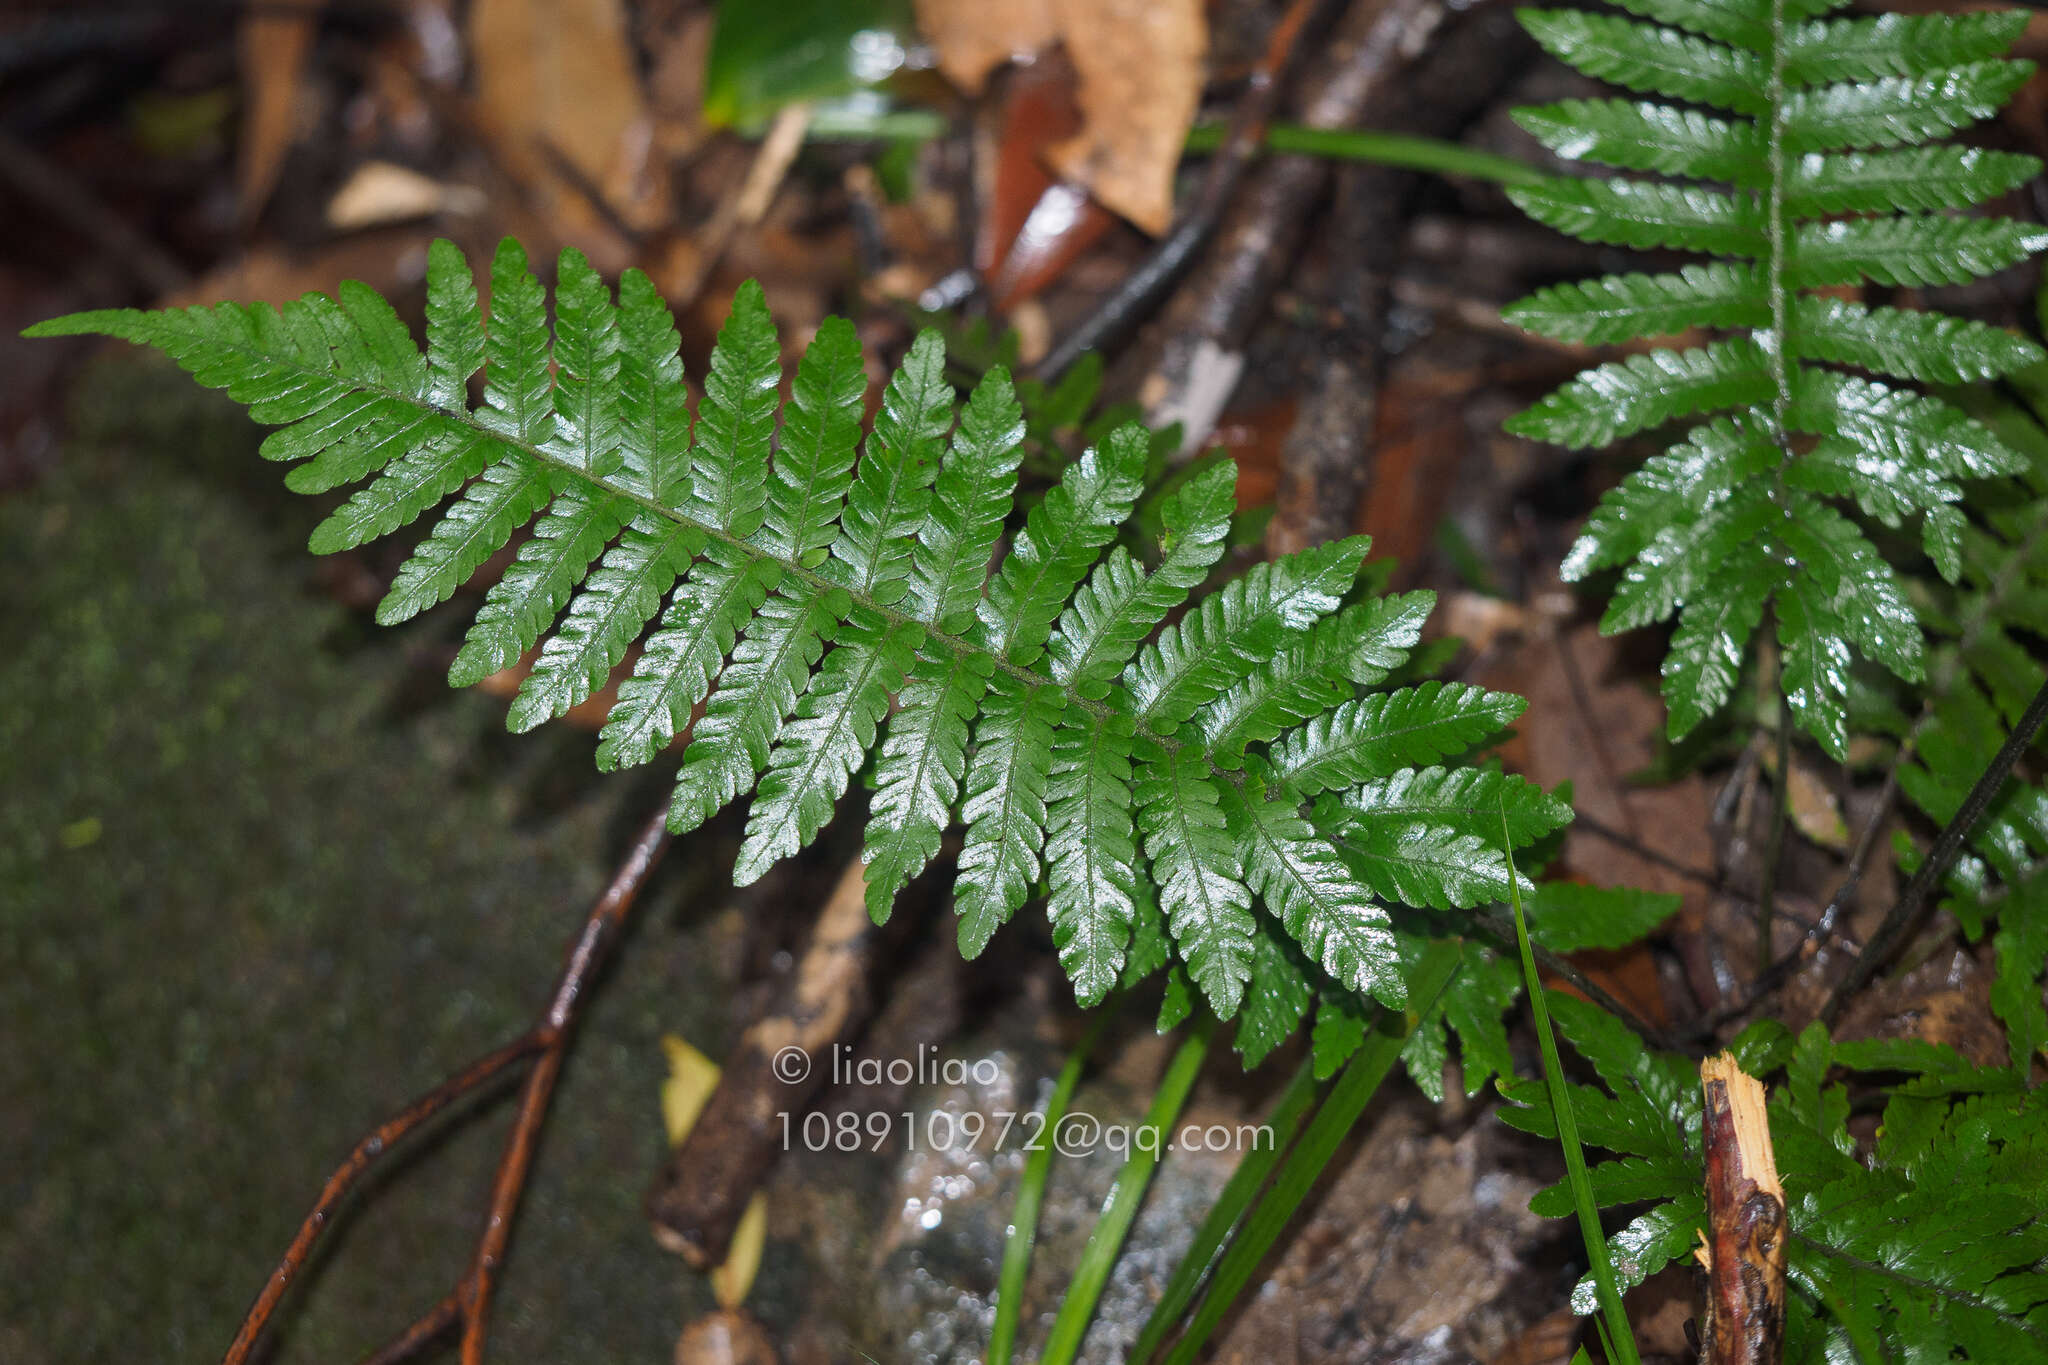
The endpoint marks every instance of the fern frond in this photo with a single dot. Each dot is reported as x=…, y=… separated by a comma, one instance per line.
x=807, y=603
x=1876, y=1234
x=1825, y=145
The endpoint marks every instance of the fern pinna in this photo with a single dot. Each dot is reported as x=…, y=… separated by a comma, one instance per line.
x=1816, y=181
x=823, y=608
x=1928, y=1239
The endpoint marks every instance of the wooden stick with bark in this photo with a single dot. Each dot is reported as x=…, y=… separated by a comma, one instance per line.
x=1743, y=1248
x=779, y=1063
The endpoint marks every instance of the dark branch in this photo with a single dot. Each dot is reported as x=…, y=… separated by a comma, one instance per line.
x=1904, y=917
x=547, y=1040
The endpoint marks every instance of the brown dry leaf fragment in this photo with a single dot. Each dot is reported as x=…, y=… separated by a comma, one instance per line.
x=1141, y=78
x=380, y=192
x=271, y=48
x=974, y=37
x=559, y=93
x=1816, y=813
x=1140, y=69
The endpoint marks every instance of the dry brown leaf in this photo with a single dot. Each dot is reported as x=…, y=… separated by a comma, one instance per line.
x=380, y=192
x=1140, y=69
x=974, y=37
x=271, y=48
x=1141, y=78
x=559, y=93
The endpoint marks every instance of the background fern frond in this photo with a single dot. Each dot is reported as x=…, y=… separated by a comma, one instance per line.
x=1876, y=1232
x=1819, y=118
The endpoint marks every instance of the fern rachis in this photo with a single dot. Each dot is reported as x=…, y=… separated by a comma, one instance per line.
x=826, y=598
x=1812, y=179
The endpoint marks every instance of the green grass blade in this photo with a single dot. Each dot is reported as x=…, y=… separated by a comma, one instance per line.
x=1348, y=1097
x=1382, y=149
x=1227, y=1213
x=1621, y=1342
x=1098, y=1258
x=1002, y=1340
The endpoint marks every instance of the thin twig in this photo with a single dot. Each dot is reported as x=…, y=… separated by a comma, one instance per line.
x=547, y=1040
x=1624, y=840
x=1904, y=916
x=1502, y=930
x=1142, y=288
x=1774, y=843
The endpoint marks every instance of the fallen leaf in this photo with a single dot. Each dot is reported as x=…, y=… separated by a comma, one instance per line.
x=1140, y=63
x=380, y=192
x=271, y=48
x=558, y=91
x=1816, y=813
x=1032, y=226
x=974, y=37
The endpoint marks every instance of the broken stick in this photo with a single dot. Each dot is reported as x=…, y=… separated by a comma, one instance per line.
x=1743, y=1248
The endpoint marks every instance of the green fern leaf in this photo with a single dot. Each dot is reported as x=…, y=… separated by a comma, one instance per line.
x=1919, y=178
x=1323, y=906
x=831, y=732
x=1278, y=996
x=525, y=602
x=814, y=457
x=518, y=398
x=510, y=493
x=1060, y=540
x=1471, y=801
x=1237, y=628
x=917, y=774
x=1652, y=59
x=1875, y=46
x=1570, y=917
x=1370, y=737
x=976, y=481
x=1091, y=850
x=654, y=416
x=1605, y=404
x=1120, y=604
x=1005, y=807
x=586, y=355
x=1640, y=136
x=1132, y=779
x=1195, y=863
x=1924, y=346
x=1898, y=109
x=1919, y=251
x=618, y=600
x=770, y=666
x=1645, y=213
x=675, y=670
x=1303, y=680
x=1670, y=490
x=1713, y=636
x=1824, y=142
x=1429, y=866
x=1621, y=307
x=892, y=486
